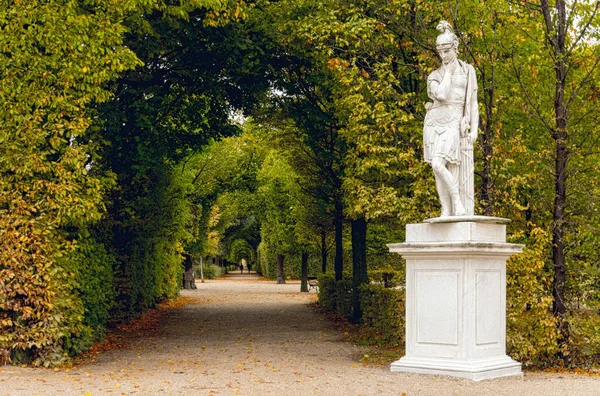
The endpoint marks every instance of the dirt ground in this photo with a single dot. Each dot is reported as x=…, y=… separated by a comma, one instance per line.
x=242, y=336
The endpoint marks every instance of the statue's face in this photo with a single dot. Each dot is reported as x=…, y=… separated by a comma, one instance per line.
x=448, y=55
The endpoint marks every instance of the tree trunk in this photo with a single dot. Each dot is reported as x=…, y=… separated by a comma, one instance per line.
x=280, y=273
x=559, y=308
x=486, y=145
x=557, y=33
x=488, y=93
x=323, y=252
x=558, y=256
x=257, y=268
x=304, y=281
x=359, y=263
x=202, y=269
x=189, y=281
x=339, y=261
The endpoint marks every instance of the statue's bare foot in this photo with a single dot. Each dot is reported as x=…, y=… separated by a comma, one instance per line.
x=459, y=209
x=445, y=211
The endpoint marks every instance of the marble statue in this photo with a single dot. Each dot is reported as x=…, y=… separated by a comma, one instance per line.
x=451, y=126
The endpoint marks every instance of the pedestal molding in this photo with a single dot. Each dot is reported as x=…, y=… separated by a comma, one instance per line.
x=455, y=248
x=462, y=219
x=475, y=370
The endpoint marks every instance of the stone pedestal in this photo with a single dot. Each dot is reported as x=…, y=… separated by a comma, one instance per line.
x=456, y=298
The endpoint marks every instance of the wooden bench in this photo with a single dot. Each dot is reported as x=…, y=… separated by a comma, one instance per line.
x=313, y=283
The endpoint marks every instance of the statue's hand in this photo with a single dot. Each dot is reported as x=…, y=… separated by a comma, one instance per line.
x=472, y=136
x=465, y=125
x=451, y=67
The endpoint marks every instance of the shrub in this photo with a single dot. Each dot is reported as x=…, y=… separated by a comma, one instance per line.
x=343, y=298
x=46, y=187
x=383, y=312
x=531, y=331
x=327, y=291
x=388, y=277
x=91, y=265
x=211, y=271
x=335, y=296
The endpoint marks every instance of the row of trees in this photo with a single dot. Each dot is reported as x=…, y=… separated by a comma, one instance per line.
x=137, y=132
x=347, y=116
x=103, y=103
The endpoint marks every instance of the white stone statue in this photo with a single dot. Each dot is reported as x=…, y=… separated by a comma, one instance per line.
x=451, y=126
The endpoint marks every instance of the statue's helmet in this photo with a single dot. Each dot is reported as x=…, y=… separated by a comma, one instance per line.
x=446, y=39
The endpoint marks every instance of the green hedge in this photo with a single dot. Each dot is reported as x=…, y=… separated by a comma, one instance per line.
x=327, y=291
x=211, y=271
x=383, y=309
x=387, y=277
x=344, y=303
x=383, y=312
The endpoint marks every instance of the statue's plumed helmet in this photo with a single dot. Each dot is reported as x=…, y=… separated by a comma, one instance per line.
x=447, y=39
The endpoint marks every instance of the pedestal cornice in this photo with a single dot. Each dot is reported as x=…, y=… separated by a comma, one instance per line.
x=455, y=248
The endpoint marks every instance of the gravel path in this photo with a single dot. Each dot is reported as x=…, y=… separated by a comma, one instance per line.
x=249, y=337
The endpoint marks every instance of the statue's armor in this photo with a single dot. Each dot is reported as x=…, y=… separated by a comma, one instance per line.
x=441, y=131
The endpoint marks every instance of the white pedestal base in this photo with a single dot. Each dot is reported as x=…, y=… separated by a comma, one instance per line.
x=456, y=299
x=475, y=370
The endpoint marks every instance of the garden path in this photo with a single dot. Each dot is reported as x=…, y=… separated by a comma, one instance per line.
x=246, y=336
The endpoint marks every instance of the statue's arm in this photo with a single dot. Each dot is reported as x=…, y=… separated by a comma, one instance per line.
x=439, y=84
x=474, y=107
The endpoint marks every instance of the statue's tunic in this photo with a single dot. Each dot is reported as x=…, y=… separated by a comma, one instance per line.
x=441, y=130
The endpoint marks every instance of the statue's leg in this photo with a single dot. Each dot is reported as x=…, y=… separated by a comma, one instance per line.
x=459, y=209
x=445, y=199
x=450, y=183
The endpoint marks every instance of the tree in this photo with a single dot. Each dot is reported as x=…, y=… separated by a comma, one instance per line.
x=56, y=57
x=195, y=74
x=359, y=263
x=570, y=57
x=304, y=99
x=277, y=190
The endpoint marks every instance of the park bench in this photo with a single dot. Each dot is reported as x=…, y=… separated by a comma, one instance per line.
x=313, y=283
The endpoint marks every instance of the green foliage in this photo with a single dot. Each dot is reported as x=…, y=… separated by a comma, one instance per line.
x=327, y=291
x=335, y=296
x=240, y=249
x=383, y=309
x=387, y=278
x=55, y=58
x=161, y=116
x=152, y=242
x=211, y=271
x=277, y=187
x=91, y=267
x=223, y=178
x=293, y=263
x=344, y=303
x=383, y=313
x=532, y=335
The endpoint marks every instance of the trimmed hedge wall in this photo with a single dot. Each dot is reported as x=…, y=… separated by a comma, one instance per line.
x=383, y=312
x=327, y=291
x=344, y=303
x=383, y=309
x=387, y=277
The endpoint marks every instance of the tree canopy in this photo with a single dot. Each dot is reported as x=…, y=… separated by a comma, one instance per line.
x=289, y=134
